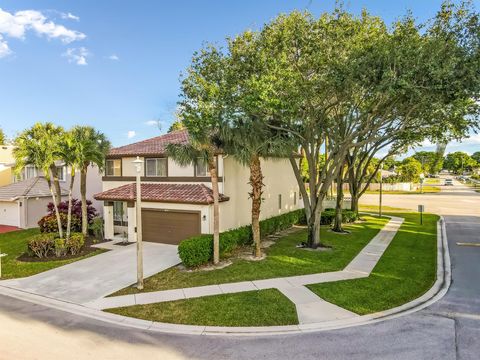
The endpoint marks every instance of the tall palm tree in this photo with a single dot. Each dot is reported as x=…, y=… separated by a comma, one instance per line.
x=196, y=151
x=248, y=141
x=39, y=147
x=93, y=146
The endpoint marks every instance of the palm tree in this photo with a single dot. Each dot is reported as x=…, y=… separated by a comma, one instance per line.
x=248, y=141
x=93, y=147
x=39, y=147
x=194, y=152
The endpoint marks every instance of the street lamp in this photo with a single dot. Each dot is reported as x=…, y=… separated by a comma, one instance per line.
x=422, y=178
x=138, y=167
x=381, y=191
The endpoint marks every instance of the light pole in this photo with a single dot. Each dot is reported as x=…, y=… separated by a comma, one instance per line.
x=422, y=178
x=381, y=191
x=138, y=167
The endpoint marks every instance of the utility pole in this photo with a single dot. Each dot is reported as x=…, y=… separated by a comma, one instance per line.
x=381, y=191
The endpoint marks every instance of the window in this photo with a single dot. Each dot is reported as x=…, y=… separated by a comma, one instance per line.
x=119, y=216
x=113, y=167
x=156, y=167
x=201, y=168
x=61, y=173
x=294, y=198
x=279, y=201
x=29, y=172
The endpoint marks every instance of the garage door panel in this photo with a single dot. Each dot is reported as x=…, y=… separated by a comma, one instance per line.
x=9, y=214
x=169, y=227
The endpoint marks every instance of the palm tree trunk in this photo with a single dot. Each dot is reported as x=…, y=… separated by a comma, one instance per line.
x=212, y=167
x=56, y=183
x=256, y=181
x=83, y=194
x=57, y=214
x=69, y=213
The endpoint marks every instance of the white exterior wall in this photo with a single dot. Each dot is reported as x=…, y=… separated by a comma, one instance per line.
x=278, y=179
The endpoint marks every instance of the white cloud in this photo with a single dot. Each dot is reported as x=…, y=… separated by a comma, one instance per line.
x=151, y=122
x=69, y=16
x=16, y=25
x=114, y=57
x=4, y=49
x=131, y=134
x=77, y=55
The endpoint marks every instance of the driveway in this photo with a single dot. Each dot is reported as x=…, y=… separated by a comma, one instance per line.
x=95, y=277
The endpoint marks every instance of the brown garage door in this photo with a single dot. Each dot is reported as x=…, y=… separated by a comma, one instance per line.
x=169, y=227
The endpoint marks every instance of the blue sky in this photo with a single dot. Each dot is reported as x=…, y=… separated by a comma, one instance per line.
x=116, y=64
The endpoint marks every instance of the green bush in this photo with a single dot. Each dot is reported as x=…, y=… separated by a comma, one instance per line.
x=75, y=243
x=60, y=248
x=48, y=223
x=198, y=250
x=42, y=245
x=328, y=216
x=97, y=228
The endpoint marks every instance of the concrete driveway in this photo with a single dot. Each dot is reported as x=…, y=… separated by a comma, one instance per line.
x=95, y=277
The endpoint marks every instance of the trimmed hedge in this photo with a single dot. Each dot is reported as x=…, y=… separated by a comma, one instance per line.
x=198, y=250
x=47, y=244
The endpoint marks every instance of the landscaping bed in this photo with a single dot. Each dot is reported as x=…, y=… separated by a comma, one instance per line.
x=283, y=259
x=251, y=308
x=15, y=244
x=405, y=272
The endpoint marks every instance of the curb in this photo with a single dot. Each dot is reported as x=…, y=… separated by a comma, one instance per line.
x=435, y=293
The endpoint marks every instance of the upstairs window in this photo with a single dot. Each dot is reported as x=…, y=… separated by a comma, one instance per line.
x=201, y=168
x=156, y=167
x=30, y=172
x=61, y=173
x=113, y=167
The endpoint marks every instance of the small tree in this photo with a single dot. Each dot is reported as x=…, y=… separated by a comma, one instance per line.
x=3, y=138
x=39, y=147
x=410, y=170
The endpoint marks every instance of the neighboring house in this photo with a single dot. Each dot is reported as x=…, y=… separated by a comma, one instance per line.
x=6, y=163
x=11, y=196
x=23, y=203
x=177, y=201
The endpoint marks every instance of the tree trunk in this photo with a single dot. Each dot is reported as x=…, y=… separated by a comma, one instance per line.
x=337, y=225
x=212, y=166
x=354, y=203
x=256, y=181
x=83, y=194
x=313, y=223
x=56, y=183
x=69, y=213
x=57, y=215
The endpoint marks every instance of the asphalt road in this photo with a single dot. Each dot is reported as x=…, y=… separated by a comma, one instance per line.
x=449, y=329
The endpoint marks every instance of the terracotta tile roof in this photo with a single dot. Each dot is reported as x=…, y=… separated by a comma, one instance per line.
x=172, y=193
x=33, y=187
x=153, y=146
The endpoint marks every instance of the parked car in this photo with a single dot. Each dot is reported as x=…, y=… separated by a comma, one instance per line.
x=448, y=182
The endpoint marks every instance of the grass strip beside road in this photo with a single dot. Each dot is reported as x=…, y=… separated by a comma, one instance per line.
x=283, y=259
x=251, y=308
x=406, y=271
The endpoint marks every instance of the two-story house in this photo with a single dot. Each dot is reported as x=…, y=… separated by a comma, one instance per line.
x=177, y=201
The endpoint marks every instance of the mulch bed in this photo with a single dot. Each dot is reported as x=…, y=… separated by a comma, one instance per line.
x=87, y=249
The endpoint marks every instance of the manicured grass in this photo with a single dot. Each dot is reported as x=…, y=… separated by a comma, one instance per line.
x=406, y=270
x=15, y=244
x=432, y=181
x=252, y=308
x=283, y=259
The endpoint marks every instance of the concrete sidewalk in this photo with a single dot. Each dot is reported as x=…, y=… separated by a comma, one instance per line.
x=310, y=307
x=97, y=276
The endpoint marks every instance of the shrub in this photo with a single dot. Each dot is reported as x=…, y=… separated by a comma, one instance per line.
x=60, y=248
x=48, y=223
x=198, y=250
x=328, y=216
x=76, y=209
x=75, y=243
x=42, y=245
x=97, y=228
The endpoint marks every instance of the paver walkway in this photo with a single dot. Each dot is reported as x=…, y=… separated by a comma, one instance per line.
x=310, y=307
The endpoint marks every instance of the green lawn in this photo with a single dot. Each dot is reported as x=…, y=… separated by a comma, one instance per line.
x=252, y=308
x=283, y=260
x=406, y=271
x=15, y=244
x=427, y=189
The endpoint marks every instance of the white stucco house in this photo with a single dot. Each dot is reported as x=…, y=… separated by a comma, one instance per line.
x=177, y=201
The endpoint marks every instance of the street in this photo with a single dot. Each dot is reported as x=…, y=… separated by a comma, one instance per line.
x=449, y=329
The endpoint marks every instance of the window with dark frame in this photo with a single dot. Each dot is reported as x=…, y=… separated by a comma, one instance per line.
x=61, y=173
x=279, y=201
x=295, y=198
x=156, y=167
x=113, y=167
